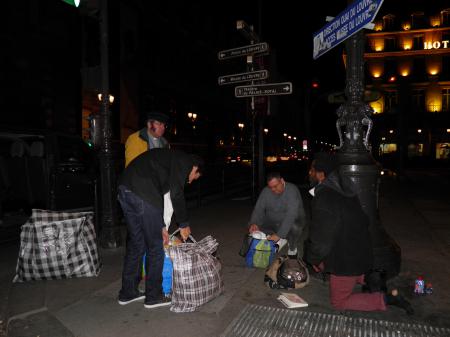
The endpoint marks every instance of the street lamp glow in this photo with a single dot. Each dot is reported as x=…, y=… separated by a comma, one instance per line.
x=391, y=131
x=111, y=98
x=190, y=114
x=419, y=130
x=285, y=134
x=266, y=130
x=194, y=116
x=241, y=125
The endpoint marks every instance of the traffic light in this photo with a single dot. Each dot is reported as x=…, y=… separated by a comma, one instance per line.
x=315, y=84
x=75, y=3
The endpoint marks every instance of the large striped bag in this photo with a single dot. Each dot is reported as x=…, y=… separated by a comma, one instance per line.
x=197, y=277
x=57, y=245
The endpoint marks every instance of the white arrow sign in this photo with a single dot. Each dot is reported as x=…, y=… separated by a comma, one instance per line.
x=245, y=50
x=243, y=77
x=284, y=88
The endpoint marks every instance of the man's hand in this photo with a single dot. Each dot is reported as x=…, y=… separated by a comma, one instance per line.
x=253, y=228
x=273, y=237
x=165, y=236
x=185, y=232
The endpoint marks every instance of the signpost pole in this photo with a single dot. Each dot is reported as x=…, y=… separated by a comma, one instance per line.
x=253, y=140
x=249, y=33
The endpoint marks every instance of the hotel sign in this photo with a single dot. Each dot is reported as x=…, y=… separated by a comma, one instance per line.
x=436, y=44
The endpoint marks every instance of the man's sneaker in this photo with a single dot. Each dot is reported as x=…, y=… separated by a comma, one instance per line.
x=280, y=244
x=125, y=301
x=160, y=302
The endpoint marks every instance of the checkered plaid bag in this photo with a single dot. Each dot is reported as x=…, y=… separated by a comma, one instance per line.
x=57, y=245
x=197, y=275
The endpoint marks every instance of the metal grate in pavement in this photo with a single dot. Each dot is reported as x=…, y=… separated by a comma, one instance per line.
x=261, y=321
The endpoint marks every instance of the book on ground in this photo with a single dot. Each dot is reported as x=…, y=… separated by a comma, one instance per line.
x=292, y=300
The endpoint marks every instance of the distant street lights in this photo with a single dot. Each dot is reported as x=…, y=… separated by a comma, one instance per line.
x=241, y=128
x=192, y=116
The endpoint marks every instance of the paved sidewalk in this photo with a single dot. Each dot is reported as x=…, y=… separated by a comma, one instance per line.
x=419, y=223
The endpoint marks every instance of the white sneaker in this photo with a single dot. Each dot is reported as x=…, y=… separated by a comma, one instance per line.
x=281, y=243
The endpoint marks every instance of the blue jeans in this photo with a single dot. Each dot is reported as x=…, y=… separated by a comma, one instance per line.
x=144, y=225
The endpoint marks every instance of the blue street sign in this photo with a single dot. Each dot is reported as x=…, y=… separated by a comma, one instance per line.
x=348, y=22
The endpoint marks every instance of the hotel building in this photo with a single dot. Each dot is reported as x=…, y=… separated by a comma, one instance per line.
x=407, y=61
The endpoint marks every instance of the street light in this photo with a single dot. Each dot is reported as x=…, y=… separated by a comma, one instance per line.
x=241, y=127
x=111, y=98
x=266, y=131
x=192, y=116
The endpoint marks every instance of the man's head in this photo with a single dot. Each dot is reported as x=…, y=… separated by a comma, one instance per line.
x=322, y=165
x=275, y=182
x=197, y=168
x=156, y=123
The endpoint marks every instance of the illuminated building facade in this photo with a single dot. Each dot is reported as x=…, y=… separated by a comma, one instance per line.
x=408, y=62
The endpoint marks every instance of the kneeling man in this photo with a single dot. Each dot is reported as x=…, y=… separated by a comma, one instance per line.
x=279, y=213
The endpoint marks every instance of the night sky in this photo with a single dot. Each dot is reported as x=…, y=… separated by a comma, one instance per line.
x=173, y=54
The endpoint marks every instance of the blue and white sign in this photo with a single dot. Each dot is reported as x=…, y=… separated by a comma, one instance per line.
x=348, y=22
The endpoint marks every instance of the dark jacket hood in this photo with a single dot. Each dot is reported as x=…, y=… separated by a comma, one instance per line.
x=341, y=184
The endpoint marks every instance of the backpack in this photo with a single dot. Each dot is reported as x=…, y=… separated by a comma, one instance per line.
x=260, y=254
x=286, y=273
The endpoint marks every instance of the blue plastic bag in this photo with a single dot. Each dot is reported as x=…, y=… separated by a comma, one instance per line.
x=260, y=254
x=166, y=272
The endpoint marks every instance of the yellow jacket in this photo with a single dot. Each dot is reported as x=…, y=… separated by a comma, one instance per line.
x=137, y=143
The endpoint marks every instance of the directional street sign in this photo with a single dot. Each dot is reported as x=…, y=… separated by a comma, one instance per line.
x=270, y=89
x=348, y=22
x=245, y=50
x=243, y=77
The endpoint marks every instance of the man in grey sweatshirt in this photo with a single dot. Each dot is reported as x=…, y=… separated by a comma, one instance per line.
x=279, y=213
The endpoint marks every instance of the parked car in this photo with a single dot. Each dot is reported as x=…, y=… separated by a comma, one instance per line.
x=47, y=170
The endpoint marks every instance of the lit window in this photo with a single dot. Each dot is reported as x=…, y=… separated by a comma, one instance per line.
x=446, y=99
x=377, y=107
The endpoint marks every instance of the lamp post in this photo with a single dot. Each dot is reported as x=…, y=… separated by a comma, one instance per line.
x=356, y=161
x=110, y=232
x=192, y=116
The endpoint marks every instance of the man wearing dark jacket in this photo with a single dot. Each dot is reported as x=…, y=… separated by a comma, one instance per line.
x=339, y=241
x=142, y=187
